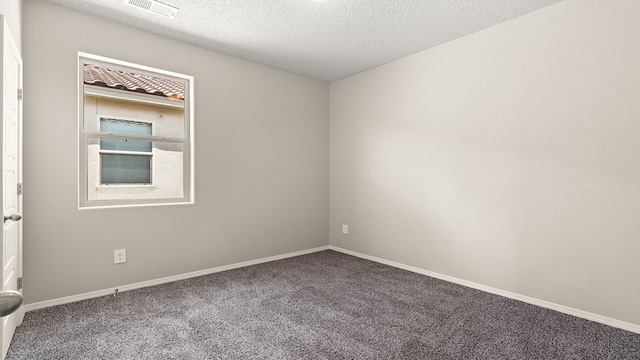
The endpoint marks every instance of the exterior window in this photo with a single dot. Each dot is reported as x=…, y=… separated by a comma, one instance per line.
x=125, y=161
x=135, y=134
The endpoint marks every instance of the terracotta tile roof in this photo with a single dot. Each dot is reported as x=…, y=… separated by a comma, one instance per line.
x=117, y=79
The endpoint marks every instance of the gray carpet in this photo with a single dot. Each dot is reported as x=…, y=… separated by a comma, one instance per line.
x=325, y=305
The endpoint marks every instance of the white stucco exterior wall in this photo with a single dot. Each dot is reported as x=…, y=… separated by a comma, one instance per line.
x=167, y=175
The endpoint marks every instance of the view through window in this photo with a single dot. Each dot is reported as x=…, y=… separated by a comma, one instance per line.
x=135, y=134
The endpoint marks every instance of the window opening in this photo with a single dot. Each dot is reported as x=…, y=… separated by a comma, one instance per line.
x=135, y=128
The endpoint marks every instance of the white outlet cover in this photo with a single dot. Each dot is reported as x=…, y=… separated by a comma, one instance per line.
x=119, y=256
x=345, y=229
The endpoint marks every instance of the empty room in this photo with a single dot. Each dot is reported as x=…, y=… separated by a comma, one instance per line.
x=320, y=179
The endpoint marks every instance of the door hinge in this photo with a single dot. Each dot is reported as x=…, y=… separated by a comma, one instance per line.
x=19, y=283
x=20, y=94
x=20, y=189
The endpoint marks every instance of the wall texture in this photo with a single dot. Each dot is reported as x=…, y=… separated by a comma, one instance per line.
x=508, y=158
x=261, y=162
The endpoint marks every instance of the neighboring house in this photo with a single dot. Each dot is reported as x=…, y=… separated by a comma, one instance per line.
x=117, y=102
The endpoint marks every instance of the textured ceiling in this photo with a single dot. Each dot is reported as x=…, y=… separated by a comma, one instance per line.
x=327, y=40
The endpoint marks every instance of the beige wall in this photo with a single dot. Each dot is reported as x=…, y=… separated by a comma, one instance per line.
x=12, y=11
x=261, y=163
x=506, y=158
x=509, y=158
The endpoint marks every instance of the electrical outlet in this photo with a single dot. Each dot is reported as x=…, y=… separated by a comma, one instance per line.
x=119, y=256
x=345, y=229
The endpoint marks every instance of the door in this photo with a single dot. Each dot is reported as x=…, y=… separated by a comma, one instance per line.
x=11, y=178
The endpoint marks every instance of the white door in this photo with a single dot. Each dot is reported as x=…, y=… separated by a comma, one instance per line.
x=11, y=176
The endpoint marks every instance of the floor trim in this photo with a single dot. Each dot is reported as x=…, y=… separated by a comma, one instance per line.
x=104, y=292
x=527, y=299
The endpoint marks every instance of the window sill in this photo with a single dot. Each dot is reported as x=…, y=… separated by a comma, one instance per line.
x=95, y=205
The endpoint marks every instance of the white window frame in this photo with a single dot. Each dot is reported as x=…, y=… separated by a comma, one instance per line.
x=84, y=135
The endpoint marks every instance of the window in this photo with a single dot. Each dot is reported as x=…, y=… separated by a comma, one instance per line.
x=124, y=161
x=135, y=134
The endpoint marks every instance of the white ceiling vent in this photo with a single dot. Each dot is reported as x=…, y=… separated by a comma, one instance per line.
x=155, y=7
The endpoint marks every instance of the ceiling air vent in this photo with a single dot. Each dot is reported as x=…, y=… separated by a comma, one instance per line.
x=155, y=7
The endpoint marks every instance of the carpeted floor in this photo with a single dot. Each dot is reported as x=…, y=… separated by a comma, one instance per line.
x=325, y=305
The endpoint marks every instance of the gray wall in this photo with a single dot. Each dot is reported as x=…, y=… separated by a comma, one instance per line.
x=509, y=158
x=12, y=11
x=261, y=163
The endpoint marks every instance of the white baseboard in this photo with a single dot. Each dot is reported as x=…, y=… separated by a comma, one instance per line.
x=104, y=292
x=527, y=299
